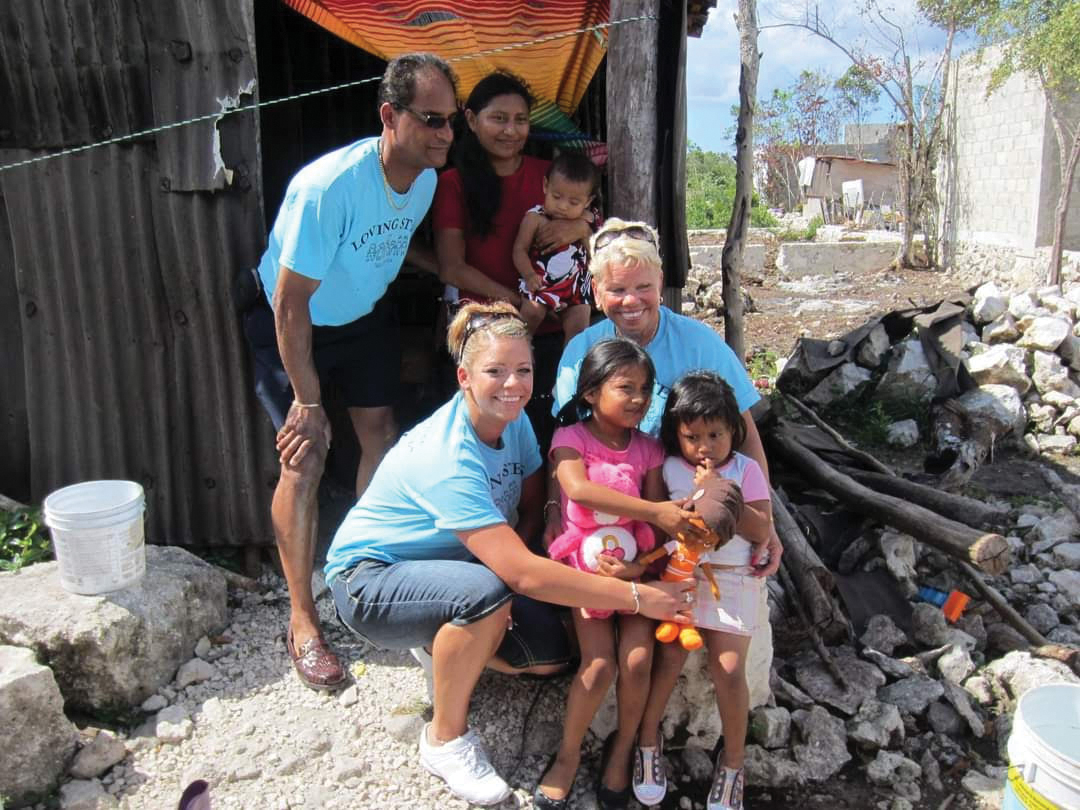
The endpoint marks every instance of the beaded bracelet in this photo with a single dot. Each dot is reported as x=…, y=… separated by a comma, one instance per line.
x=634, y=593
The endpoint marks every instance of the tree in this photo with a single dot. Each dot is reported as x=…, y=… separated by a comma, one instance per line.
x=710, y=191
x=735, y=239
x=917, y=88
x=1042, y=38
x=788, y=125
x=856, y=93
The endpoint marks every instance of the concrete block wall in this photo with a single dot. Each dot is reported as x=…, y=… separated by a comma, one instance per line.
x=1051, y=182
x=999, y=185
x=999, y=155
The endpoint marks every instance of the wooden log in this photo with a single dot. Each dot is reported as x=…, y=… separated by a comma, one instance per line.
x=631, y=110
x=815, y=636
x=731, y=260
x=812, y=580
x=987, y=551
x=829, y=431
x=1002, y=606
x=955, y=507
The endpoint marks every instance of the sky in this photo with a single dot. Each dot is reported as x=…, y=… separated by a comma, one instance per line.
x=712, y=76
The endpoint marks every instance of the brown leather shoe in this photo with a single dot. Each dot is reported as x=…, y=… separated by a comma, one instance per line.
x=316, y=663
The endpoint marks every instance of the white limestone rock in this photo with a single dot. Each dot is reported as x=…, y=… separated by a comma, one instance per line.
x=909, y=374
x=770, y=727
x=1052, y=530
x=841, y=381
x=904, y=433
x=882, y=634
x=114, y=651
x=1018, y=671
x=1068, y=584
x=39, y=739
x=1059, y=305
x=955, y=664
x=194, y=671
x=1044, y=333
x=876, y=725
x=899, y=553
x=1050, y=375
x=104, y=751
x=998, y=407
x=823, y=751
x=988, y=304
x=873, y=348
x=1021, y=304
x=1062, y=445
x=86, y=794
x=1002, y=364
x=1067, y=555
x=1003, y=330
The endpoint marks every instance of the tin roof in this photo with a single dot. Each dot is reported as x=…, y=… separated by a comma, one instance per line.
x=132, y=358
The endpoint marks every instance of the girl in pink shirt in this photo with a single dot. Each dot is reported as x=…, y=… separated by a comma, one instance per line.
x=613, y=392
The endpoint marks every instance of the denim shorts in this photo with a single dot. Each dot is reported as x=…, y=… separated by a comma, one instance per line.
x=404, y=604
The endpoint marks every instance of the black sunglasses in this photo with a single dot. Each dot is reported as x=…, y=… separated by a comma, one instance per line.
x=431, y=120
x=633, y=232
x=481, y=321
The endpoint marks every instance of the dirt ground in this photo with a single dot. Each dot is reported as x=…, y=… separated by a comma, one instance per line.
x=825, y=306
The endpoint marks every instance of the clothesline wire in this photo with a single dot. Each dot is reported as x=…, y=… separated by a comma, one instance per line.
x=309, y=93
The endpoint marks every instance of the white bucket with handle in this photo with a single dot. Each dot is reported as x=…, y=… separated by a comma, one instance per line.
x=1044, y=750
x=97, y=534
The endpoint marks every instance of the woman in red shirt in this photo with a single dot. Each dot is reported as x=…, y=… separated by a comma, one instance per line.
x=480, y=204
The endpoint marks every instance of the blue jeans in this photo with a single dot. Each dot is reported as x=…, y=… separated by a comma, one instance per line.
x=401, y=605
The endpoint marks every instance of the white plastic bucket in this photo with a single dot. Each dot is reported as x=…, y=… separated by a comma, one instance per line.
x=97, y=534
x=1044, y=750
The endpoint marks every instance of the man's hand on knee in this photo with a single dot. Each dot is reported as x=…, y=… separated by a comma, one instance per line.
x=306, y=430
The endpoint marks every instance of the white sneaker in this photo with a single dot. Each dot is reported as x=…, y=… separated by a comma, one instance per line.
x=650, y=779
x=464, y=766
x=727, y=789
x=424, y=657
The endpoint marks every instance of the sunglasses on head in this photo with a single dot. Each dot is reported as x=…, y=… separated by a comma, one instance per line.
x=631, y=232
x=483, y=320
x=431, y=120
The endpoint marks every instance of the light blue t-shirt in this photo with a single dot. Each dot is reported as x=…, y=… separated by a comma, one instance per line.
x=680, y=345
x=337, y=226
x=437, y=480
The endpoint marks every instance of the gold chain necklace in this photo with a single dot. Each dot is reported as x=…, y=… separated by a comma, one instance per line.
x=386, y=183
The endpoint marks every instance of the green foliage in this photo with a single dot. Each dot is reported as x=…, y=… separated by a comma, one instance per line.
x=762, y=363
x=867, y=422
x=805, y=235
x=23, y=539
x=1039, y=37
x=710, y=191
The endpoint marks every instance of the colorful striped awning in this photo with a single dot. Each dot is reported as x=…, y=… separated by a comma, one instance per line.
x=558, y=68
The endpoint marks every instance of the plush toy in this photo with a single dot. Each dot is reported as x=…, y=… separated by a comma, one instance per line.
x=590, y=533
x=717, y=504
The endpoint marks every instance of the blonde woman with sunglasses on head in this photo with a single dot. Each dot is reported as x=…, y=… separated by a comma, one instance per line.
x=628, y=280
x=432, y=555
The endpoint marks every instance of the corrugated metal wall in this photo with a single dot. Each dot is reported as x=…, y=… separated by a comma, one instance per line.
x=118, y=329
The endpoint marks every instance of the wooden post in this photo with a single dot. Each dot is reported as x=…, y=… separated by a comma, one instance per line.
x=631, y=110
x=731, y=258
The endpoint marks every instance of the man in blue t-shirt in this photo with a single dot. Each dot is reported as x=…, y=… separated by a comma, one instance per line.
x=340, y=237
